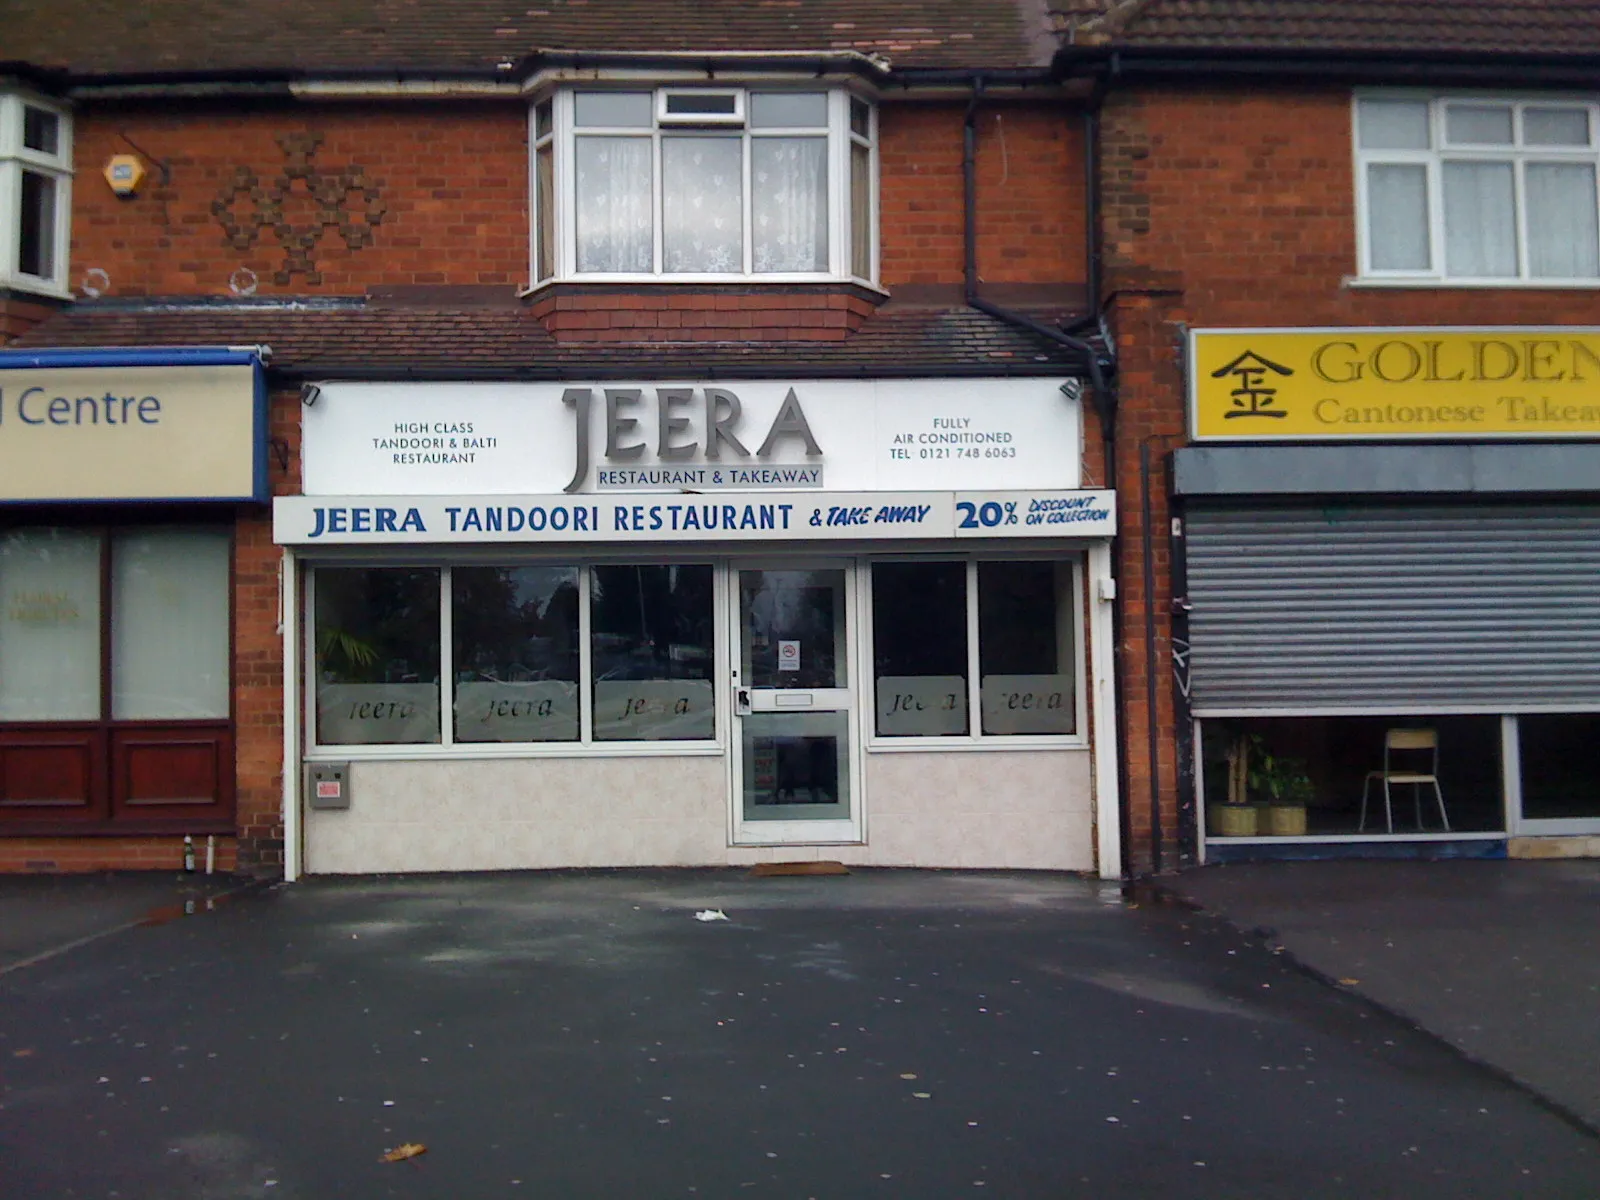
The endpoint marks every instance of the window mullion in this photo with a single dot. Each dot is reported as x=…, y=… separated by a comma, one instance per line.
x=974, y=684
x=1519, y=197
x=658, y=208
x=747, y=169
x=585, y=658
x=447, y=654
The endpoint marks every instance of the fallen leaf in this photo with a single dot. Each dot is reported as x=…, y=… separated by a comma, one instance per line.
x=21, y=1053
x=401, y=1153
x=1349, y=982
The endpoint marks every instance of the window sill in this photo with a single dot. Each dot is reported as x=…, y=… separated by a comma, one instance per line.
x=1360, y=283
x=919, y=745
x=26, y=287
x=465, y=752
x=732, y=284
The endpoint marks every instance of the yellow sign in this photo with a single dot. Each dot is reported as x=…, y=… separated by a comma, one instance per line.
x=1444, y=384
x=131, y=433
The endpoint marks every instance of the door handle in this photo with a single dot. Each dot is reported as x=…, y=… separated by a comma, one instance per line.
x=742, y=701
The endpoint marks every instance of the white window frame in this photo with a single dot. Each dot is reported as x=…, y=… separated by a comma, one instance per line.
x=447, y=747
x=840, y=139
x=975, y=738
x=15, y=157
x=1441, y=151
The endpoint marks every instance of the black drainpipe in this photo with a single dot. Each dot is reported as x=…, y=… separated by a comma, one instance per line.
x=1102, y=380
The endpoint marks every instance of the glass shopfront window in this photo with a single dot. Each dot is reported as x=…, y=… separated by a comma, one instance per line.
x=652, y=653
x=1008, y=624
x=919, y=648
x=1560, y=757
x=1025, y=647
x=50, y=625
x=377, y=655
x=514, y=654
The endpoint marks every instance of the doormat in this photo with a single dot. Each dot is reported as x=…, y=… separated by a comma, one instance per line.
x=763, y=870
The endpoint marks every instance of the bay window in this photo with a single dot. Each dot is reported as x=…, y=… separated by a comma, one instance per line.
x=703, y=184
x=35, y=193
x=1479, y=190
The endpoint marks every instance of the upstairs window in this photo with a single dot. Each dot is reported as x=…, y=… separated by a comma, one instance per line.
x=35, y=193
x=703, y=184
x=1478, y=190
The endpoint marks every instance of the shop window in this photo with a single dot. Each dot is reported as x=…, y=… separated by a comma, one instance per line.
x=35, y=193
x=919, y=647
x=1479, y=190
x=1008, y=624
x=520, y=668
x=652, y=653
x=1306, y=776
x=169, y=626
x=704, y=184
x=377, y=655
x=515, y=632
x=1560, y=756
x=115, y=679
x=50, y=628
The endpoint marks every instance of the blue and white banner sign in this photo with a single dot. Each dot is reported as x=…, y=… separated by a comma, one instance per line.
x=723, y=517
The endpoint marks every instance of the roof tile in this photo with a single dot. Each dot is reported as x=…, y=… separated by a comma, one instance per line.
x=390, y=342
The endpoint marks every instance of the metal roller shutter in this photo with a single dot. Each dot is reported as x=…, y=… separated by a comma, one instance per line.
x=1416, y=609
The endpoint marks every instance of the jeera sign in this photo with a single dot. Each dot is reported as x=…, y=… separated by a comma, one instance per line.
x=132, y=425
x=1401, y=383
x=736, y=435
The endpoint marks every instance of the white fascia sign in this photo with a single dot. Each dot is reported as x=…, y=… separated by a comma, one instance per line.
x=513, y=439
x=557, y=518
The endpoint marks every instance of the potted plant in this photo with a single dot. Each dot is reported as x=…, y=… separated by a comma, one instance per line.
x=1236, y=817
x=1285, y=788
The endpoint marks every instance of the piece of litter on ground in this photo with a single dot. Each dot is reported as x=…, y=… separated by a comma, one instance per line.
x=711, y=914
x=388, y=1103
x=923, y=1095
x=908, y=1074
x=402, y=1152
x=1349, y=982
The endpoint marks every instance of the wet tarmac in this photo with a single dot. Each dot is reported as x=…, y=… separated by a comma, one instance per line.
x=879, y=1034
x=1500, y=959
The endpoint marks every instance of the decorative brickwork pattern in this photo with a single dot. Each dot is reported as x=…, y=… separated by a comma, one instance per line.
x=329, y=189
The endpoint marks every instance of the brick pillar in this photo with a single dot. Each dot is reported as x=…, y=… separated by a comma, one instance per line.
x=1150, y=425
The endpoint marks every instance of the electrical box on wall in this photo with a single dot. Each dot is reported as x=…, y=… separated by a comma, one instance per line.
x=328, y=785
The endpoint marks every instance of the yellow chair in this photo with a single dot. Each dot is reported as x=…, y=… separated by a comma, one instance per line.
x=1410, y=743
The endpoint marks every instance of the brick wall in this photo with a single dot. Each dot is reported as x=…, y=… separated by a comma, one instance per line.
x=1231, y=209
x=448, y=186
x=1030, y=194
x=20, y=313
x=577, y=313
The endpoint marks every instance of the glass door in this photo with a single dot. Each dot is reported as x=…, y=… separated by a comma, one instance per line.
x=795, y=753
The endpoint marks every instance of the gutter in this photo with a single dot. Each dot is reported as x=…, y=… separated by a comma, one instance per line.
x=1341, y=68
x=310, y=372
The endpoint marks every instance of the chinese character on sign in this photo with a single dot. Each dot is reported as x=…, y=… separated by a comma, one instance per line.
x=1251, y=398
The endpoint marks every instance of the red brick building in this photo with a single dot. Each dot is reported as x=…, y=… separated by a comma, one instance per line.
x=678, y=267
x=1366, y=576
x=678, y=441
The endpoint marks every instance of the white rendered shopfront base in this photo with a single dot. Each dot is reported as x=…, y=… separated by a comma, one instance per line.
x=1031, y=803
